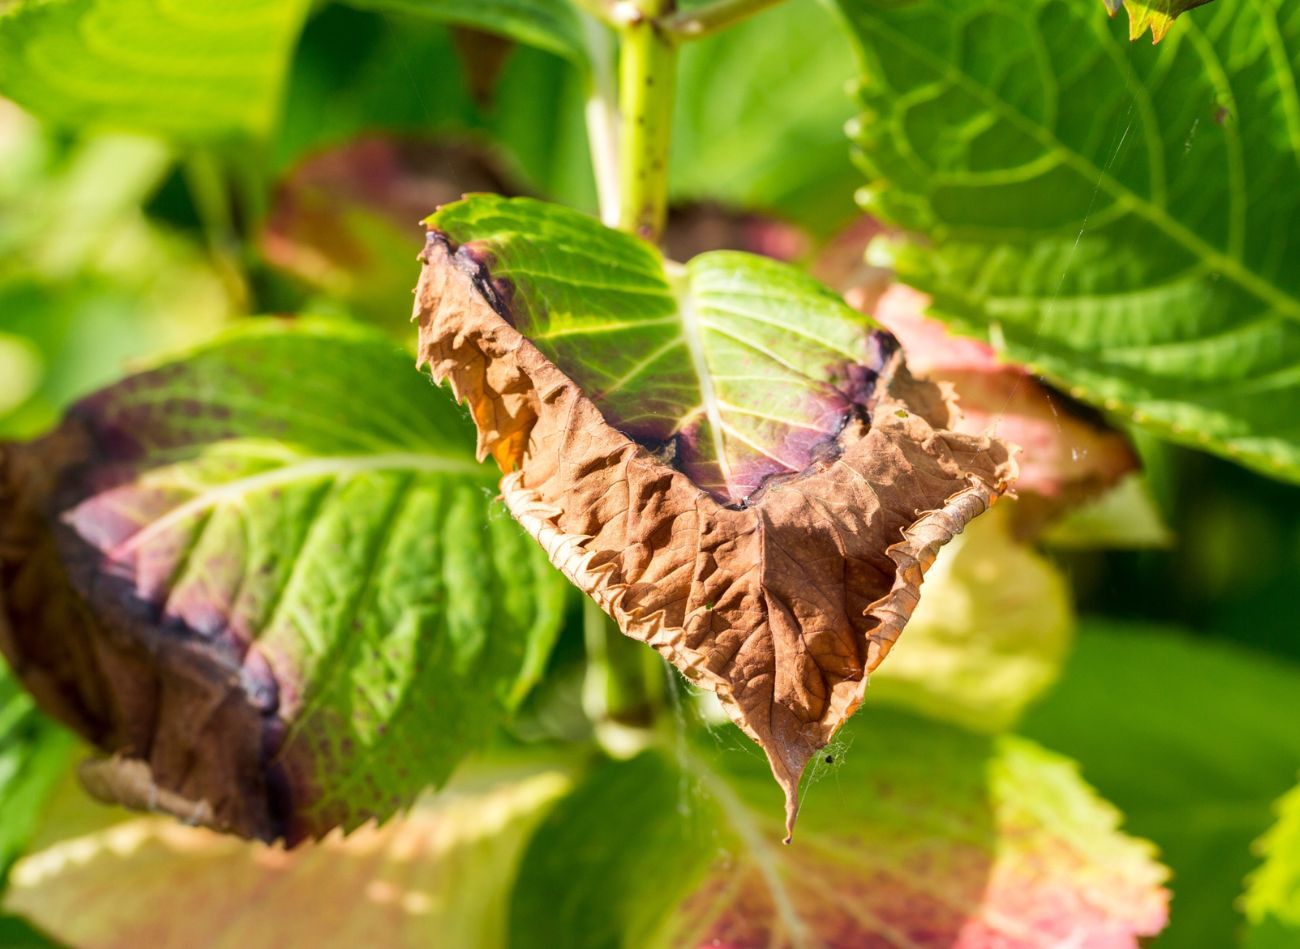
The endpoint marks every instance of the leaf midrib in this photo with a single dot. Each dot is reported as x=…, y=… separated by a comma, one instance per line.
x=1231, y=266
x=327, y=466
x=755, y=840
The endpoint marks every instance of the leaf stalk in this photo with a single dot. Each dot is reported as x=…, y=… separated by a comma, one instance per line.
x=647, y=73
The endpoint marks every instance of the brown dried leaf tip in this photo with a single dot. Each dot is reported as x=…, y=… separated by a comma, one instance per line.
x=781, y=603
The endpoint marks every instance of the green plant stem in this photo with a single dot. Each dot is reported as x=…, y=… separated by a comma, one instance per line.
x=625, y=685
x=710, y=18
x=601, y=114
x=647, y=68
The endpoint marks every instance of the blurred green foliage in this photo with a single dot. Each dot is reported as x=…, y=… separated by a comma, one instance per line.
x=122, y=243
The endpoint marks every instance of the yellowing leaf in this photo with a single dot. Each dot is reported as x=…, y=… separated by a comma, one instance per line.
x=1272, y=900
x=438, y=876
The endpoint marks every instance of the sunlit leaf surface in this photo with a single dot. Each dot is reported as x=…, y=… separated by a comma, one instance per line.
x=1117, y=217
x=1272, y=901
x=745, y=364
x=189, y=69
x=275, y=573
x=1156, y=15
x=437, y=876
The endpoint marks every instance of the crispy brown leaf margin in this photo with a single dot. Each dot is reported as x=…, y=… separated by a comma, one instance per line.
x=781, y=604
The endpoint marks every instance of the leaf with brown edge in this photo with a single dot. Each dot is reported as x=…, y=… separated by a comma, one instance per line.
x=1156, y=15
x=268, y=581
x=1069, y=453
x=732, y=462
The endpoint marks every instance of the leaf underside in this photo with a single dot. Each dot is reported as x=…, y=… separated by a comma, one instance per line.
x=780, y=600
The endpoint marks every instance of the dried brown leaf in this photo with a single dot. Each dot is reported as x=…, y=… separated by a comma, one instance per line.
x=782, y=602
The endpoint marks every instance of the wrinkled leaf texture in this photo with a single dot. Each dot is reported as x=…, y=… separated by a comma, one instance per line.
x=730, y=460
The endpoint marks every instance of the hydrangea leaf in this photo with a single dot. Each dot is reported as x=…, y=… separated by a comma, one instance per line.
x=1125, y=517
x=1068, y=453
x=438, y=875
x=728, y=459
x=270, y=580
x=919, y=835
x=1114, y=217
x=737, y=365
x=340, y=220
x=1130, y=707
x=193, y=70
x=1272, y=900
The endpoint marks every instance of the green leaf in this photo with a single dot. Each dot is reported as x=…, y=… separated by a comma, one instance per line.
x=1193, y=740
x=552, y=25
x=34, y=754
x=438, y=875
x=989, y=635
x=705, y=355
x=285, y=538
x=1126, y=516
x=1272, y=901
x=920, y=834
x=1117, y=218
x=198, y=70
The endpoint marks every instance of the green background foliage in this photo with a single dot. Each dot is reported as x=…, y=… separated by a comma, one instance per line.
x=1116, y=217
